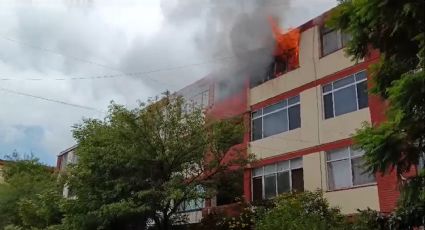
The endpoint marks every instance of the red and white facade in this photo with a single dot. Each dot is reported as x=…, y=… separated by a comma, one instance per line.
x=300, y=125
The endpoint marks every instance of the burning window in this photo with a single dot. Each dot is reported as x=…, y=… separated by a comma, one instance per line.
x=285, y=55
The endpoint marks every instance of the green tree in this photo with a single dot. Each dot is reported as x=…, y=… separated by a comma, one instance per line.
x=299, y=211
x=136, y=167
x=395, y=28
x=30, y=196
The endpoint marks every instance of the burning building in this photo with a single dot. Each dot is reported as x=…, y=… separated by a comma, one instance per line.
x=303, y=109
x=301, y=105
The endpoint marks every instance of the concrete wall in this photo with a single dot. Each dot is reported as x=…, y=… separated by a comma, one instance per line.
x=312, y=67
x=350, y=199
x=315, y=133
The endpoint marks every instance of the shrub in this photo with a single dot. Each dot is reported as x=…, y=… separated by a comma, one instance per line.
x=298, y=211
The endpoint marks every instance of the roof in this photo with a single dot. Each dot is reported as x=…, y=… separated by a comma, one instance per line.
x=68, y=150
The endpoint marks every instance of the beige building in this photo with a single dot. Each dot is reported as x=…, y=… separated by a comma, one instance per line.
x=302, y=122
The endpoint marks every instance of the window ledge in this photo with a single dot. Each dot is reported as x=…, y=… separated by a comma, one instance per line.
x=323, y=56
x=354, y=187
x=276, y=136
x=276, y=77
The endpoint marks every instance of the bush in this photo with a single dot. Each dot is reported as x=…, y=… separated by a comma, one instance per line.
x=298, y=211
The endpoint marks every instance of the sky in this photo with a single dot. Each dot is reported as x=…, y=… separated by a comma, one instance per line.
x=65, y=60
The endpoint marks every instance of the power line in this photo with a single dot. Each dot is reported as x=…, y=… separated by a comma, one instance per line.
x=71, y=57
x=121, y=75
x=50, y=100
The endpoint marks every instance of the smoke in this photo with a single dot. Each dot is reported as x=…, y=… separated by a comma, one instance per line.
x=237, y=29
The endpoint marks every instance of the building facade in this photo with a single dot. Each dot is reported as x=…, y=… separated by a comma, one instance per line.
x=299, y=125
x=65, y=158
x=301, y=122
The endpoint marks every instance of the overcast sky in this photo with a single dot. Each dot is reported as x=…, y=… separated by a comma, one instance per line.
x=45, y=46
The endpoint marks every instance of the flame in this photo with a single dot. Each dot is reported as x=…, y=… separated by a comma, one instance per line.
x=287, y=43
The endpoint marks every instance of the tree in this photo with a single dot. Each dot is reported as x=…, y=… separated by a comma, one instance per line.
x=298, y=211
x=396, y=29
x=136, y=167
x=30, y=196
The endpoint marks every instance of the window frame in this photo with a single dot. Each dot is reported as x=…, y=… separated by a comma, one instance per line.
x=349, y=158
x=262, y=115
x=275, y=173
x=323, y=30
x=333, y=90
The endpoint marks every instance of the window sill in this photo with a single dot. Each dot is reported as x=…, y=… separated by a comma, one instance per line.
x=353, y=187
x=325, y=55
x=276, y=135
x=275, y=77
x=344, y=114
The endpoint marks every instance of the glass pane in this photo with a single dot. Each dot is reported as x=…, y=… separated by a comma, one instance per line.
x=337, y=154
x=345, y=38
x=328, y=105
x=296, y=163
x=360, y=76
x=274, y=107
x=345, y=100
x=293, y=100
x=270, y=169
x=294, y=117
x=356, y=152
x=275, y=123
x=362, y=94
x=329, y=42
x=283, y=182
x=270, y=186
x=256, y=113
x=284, y=165
x=327, y=88
x=257, y=171
x=257, y=189
x=297, y=180
x=359, y=175
x=343, y=82
x=257, y=129
x=339, y=174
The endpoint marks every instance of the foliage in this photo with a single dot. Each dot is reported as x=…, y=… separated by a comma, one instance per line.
x=396, y=29
x=141, y=164
x=370, y=219
x=30, y=196
x=307, y=210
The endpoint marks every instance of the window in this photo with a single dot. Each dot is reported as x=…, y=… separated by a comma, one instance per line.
x=345, y=169
x=270, y=180
x=201, y=100
x=191, y=205
x=345, y=95
x=333, y=40
x=421, y=164
x=277, y=118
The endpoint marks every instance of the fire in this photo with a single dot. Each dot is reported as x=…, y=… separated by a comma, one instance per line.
x=287, y=43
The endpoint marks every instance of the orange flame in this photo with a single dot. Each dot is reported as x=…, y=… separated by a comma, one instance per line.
x=287, y=43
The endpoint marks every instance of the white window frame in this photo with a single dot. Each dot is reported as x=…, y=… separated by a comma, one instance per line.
x=333, y=90
x=276, y=172
x=262, y=115
x=350, y=157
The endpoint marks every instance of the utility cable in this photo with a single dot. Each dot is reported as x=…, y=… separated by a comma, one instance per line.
x=50, y=100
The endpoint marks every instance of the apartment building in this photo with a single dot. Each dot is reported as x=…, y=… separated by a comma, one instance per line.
x=302, y=122
x=1, y=171
x=65, y=158
x=302, y=118
x=301, y=115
